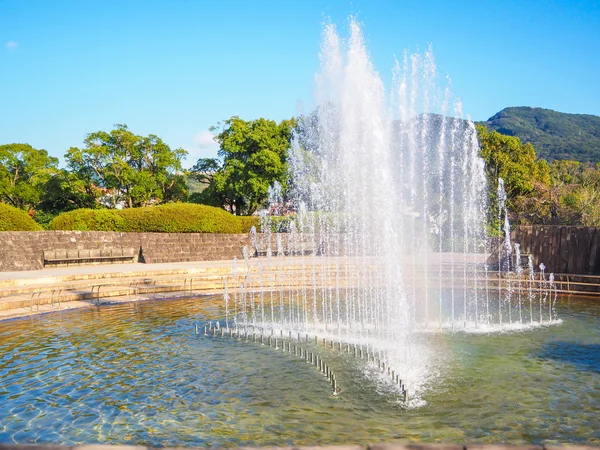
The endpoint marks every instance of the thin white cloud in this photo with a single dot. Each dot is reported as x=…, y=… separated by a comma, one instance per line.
x=205, y=139
x=205, y=147
x=11, y=45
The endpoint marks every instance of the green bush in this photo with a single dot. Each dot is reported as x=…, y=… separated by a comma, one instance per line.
x=180, y=218
x=89, y=220
x=14, y=219
x=247, y=222
x=168, y=218
x=281, y=224
x=43, y=218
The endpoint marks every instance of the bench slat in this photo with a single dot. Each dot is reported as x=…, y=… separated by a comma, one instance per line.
x=65, y=255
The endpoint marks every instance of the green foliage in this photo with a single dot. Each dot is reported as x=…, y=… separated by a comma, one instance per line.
x=247, y=222
x=583, y=197
x=554, y=135
x=506, y=157
x=133, y=170
x=14, y=219
x=89, y=220
x=167, y=218
x=43, y=218
x=65, y=191
x=23, y=173
x=571, y=198
x=253, y=156
x=180, y=218
x=282, y=224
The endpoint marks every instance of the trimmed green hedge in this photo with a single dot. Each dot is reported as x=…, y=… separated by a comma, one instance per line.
x=180, y=218
x=88, y=220
x=14, y=219
x=247, y=222
x=168, y=218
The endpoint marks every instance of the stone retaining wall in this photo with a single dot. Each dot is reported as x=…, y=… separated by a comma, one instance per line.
x=562, y=249
x=23, y=250
x=572, y=250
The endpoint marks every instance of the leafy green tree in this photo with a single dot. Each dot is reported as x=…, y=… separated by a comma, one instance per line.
x=571, y=198
x=565, y=172
x=587, y=196
x=65, y=191
x=24, y=171
x=516, y=163
x=253, y=155
x=133, y=170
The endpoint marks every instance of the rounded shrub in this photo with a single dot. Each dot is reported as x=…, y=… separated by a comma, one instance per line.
x=247, y=222
x=180, y=218
x=14, y=219
x=89, y=220
x=167, y=218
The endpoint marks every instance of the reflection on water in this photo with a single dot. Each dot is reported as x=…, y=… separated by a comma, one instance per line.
x=136, y=374
x=585, y=357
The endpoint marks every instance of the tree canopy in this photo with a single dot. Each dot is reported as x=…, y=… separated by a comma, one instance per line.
x=561, y=193
x=23, y=172
x=119, y=169
x=516, y=163
x=133, y=170
x=252, y=156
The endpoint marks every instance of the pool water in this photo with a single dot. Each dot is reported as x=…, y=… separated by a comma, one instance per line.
x=137, y=374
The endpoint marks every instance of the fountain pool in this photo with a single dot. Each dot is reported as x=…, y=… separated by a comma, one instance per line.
x=137, y=374
x=397, y=186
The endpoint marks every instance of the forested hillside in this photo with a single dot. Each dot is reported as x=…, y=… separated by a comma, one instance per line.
x=554, y=135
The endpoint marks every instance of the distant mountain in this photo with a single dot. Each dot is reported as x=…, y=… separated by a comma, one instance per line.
x=554, y=135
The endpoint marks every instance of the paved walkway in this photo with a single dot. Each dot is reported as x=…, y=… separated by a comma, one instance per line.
x=33, y=292
x=74, y=270
x=131, y=268
x=19, y=290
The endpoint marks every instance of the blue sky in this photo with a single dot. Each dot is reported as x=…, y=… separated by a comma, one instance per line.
x=175, y=68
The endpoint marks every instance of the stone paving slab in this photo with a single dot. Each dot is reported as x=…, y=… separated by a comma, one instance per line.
x=18, y=289
x=189, y=267
x=38, y=292
x=57, y=274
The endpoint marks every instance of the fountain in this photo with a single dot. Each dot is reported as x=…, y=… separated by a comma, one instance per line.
x=389, y=237
x=379, y=312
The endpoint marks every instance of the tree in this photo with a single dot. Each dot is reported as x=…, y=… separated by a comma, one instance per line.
x=23, y=172
x=133, y=170
x=587, y=196
x=253, y=155
x=66, y=191
x=516, y=163
x=572, y=197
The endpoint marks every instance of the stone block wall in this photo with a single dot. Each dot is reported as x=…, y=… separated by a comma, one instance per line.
x=23, y=250
x=182, y=247
x=562, y=249
x=573, y=250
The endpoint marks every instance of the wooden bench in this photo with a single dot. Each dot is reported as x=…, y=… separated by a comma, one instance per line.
x=89, y=256
x=309, y=249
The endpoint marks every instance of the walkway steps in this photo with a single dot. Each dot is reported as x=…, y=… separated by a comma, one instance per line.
x=27, y=293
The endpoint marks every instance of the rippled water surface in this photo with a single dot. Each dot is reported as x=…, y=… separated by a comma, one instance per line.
x=137, y=374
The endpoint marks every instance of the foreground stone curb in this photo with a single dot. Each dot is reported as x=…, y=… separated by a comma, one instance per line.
x=326, y=447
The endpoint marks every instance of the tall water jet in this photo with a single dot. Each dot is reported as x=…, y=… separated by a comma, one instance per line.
x=381, y=184
x=392, y=181
x=389, y=236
